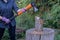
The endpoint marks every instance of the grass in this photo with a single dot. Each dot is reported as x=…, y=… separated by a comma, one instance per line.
x=57, y=35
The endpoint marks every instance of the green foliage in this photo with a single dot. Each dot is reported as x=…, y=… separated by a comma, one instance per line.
x=53, y=16
x=26, y=19
x=50, y=13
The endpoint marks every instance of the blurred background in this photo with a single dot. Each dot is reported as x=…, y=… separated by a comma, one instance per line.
x=49, y=10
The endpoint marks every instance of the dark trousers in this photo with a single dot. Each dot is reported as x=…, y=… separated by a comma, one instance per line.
x=11, y=31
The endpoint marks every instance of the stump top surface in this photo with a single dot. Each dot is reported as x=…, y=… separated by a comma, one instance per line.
x=45, y=31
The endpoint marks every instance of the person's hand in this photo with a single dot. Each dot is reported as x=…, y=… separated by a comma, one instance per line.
x=5, y=20
x=23, y=9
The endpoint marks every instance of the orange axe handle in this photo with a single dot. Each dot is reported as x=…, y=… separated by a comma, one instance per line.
x=26, y=8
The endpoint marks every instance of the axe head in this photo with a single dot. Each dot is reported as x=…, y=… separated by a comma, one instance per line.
x=34, y=7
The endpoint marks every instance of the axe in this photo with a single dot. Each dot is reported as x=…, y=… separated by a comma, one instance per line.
x=29, y=6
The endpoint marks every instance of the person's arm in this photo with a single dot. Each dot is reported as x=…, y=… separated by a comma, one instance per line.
x=15, y=7
x=4, y=19
x=0, y=14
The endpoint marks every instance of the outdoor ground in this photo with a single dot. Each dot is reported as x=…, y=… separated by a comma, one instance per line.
x=57, y=36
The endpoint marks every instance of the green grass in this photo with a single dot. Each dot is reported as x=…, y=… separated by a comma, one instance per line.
x=57, y=35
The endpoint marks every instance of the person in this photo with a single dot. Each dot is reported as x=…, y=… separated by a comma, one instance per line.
x=6, y=12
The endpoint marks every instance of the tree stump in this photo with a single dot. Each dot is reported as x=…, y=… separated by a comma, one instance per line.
x=46, y=34
x=39, y=33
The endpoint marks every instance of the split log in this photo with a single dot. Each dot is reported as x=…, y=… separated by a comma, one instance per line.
x=38, y=23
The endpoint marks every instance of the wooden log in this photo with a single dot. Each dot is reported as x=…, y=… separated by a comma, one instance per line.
x=46, y=34
x=38, y=23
